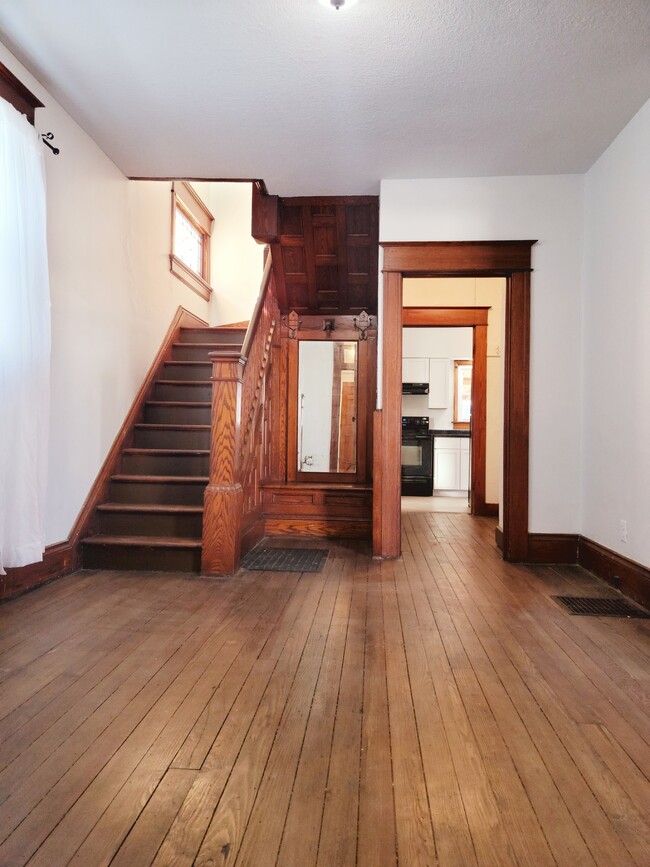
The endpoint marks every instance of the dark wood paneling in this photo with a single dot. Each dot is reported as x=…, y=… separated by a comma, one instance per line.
x=626, y=575
x=15, y=92
x=436, y=257
x=552, y=548
x=265, y=217
x=444, y=316
x=326, y=253
x=57, y=560
x=342, y=528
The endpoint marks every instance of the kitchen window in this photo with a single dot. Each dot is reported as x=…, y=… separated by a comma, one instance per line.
x=462, y=394
x=191, y=231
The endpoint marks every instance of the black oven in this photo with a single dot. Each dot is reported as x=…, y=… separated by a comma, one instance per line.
x=417, y=457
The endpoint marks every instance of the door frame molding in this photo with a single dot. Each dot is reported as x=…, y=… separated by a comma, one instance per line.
x=475, y=318
x=509, y=259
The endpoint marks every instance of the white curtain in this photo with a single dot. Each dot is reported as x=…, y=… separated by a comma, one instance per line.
x=24, y=341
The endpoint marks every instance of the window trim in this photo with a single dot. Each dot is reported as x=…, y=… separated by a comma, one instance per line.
x=187, y=200
x=458, y=424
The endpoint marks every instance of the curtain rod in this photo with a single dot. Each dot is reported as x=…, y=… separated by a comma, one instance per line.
x=47, y=138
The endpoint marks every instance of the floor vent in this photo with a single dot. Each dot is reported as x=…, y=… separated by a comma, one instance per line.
x=599, y=607
x=285, y=559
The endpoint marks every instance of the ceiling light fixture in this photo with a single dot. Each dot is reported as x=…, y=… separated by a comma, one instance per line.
x=336, y=4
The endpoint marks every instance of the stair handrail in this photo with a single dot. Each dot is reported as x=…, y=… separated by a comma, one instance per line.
x=238, y=381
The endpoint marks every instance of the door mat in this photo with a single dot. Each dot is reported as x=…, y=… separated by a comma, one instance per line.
x=599, y=607
x=285, y=559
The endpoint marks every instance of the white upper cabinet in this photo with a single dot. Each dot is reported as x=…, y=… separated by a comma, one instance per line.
x=415, y=370
x=438, y=383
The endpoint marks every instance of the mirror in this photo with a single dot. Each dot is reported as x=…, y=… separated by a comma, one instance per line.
x=327, y=406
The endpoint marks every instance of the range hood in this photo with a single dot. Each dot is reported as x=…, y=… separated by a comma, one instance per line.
x=415, y=388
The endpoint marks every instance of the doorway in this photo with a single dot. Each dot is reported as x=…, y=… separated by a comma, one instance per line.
x=509, y=259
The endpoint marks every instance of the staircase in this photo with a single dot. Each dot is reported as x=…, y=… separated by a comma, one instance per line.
x=153, y=517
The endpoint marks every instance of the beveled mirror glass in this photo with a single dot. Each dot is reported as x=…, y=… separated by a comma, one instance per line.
x=327, y=406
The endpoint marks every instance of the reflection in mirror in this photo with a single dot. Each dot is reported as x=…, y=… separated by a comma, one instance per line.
x=327, y=406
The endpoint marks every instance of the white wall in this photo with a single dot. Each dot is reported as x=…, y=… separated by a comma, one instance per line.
x=237, y=260
x=107, y=323
x=616, y=358
x=548, y=209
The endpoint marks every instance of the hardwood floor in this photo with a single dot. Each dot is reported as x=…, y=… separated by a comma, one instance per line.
x=438, y=710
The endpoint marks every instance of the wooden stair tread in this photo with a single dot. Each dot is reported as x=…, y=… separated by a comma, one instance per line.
x=165, y=452
x=197, y=382
x=164, y=509
x=203, y=345
x=125, y=477
x=147, y=541
x=201, y=403
x=191, y=363
x=219, y=329
x=158, y=426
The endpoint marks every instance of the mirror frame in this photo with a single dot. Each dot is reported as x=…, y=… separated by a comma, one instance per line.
x=293, y=473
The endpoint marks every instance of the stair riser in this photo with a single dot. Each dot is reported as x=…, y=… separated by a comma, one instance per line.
x=211, y=335
x=197, y=392
x=171, y=439
x=141, y=558
x=177, y=415
x=191, y=372
x=166, y=465
x=158, y=493
x=148, y=524
x=195, y=352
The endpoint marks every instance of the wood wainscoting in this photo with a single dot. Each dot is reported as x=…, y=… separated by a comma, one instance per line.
x=344, y=511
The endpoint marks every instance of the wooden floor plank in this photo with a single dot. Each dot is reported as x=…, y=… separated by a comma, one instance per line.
x=299, y=844
x=439, y=710
x=377, y=843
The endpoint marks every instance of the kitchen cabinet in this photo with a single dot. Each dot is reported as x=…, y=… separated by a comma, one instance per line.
x=415, y=370
x=451, y=464
x=438, y=383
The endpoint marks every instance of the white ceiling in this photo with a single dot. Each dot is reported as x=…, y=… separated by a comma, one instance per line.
x=323, y=102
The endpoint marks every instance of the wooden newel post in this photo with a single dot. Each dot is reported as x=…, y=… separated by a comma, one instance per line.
x=222, y=512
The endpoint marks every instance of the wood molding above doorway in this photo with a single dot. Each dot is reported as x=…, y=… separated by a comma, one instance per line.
x=509, y=259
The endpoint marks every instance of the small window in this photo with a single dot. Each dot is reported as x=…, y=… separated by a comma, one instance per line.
x=191, y=230
x=462, y=394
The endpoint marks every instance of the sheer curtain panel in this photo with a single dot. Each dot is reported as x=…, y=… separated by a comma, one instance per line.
x=24, y=341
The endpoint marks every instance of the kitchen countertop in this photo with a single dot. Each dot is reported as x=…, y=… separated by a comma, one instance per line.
x=437, y=432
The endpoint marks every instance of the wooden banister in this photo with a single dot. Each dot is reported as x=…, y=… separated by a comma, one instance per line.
x=240, y=411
